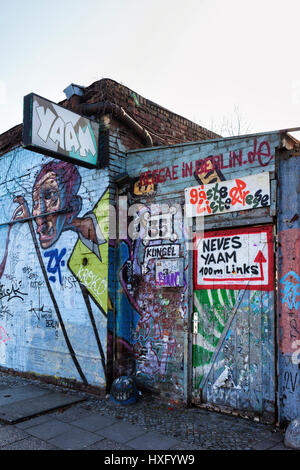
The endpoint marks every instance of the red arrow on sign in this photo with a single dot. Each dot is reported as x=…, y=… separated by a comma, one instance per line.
x=260, y=259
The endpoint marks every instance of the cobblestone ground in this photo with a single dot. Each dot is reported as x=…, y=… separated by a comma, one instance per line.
x=197, y=428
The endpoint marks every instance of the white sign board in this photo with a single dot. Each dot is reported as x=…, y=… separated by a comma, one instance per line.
x=53, y=130
x=235, y=259
x=239, y=194
x=161, y=251
x=152, y=252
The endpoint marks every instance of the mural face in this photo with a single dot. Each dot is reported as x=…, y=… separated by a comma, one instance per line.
x=47, y=198
x=55, y=189
x=68, y=231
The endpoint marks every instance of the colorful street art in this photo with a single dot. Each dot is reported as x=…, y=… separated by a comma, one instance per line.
x=239, y=194
x=233, y=319
x=291, y=290
x=288, y=298
x=233, y=347
x=166, y=173
x=209, y=168
x=89, y=259
x=56, y=131
x=155, y=308
x=211, y=312
x=57, y=202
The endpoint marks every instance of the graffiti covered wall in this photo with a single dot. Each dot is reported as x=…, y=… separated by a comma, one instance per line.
x=54, y=222
x=150, y=304
x=161, y=176
x=234, y=323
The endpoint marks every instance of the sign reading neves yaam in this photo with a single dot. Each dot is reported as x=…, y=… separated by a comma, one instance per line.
x=239, y=194
x=53, y=130
x=234, y=259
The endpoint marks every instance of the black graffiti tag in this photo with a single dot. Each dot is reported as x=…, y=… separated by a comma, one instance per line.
x=12, y=293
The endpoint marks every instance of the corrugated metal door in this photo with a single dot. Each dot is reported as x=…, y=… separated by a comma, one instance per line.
x=233, y=320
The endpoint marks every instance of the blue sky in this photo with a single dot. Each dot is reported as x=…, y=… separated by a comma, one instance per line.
x=198, y=58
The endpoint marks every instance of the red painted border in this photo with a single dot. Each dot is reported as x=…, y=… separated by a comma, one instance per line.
x=221, y=233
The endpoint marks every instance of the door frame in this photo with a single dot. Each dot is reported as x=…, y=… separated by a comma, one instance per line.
x=273, y=281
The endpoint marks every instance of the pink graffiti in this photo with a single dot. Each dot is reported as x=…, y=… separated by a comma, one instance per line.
x=3, y=335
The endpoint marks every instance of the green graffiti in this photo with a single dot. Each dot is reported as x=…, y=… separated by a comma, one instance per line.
x=212, y=308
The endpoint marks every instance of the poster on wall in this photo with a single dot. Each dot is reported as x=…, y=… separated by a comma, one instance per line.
x=161, y=251
x=169, y=272
x=249, y=192
x=239, y=258
x=53, y=130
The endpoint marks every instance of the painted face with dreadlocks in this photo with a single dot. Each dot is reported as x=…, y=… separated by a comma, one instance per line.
x=55, y=201
x=47, y=200
x=56, y=206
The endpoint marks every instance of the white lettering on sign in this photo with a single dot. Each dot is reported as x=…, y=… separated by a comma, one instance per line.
x=159, y=251
x=47, y=118
x=63, y=133
x=86, y=142
x=235, y=259
x=239, y=194
x=71, y=140
x=57, y=133
x=53, y=130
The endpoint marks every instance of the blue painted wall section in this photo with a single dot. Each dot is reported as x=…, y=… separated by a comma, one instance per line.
x=53, y=267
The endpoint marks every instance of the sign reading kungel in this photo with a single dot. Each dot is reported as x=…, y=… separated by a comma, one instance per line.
x=239, y=194
x=235, y=259
x=55, y=131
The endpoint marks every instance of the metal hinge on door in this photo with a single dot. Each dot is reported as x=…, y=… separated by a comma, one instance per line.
x=195, y=323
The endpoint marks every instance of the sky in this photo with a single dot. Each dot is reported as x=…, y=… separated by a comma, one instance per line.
x=210, y=61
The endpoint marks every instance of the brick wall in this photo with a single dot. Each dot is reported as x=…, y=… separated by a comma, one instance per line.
x=165, y=127
x=10, y=139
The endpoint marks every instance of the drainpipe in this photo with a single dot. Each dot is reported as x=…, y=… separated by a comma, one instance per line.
x=103, y=107
x=74, y=94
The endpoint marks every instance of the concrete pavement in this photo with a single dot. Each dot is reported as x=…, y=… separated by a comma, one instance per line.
x=95, y=423
x=77, y=428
